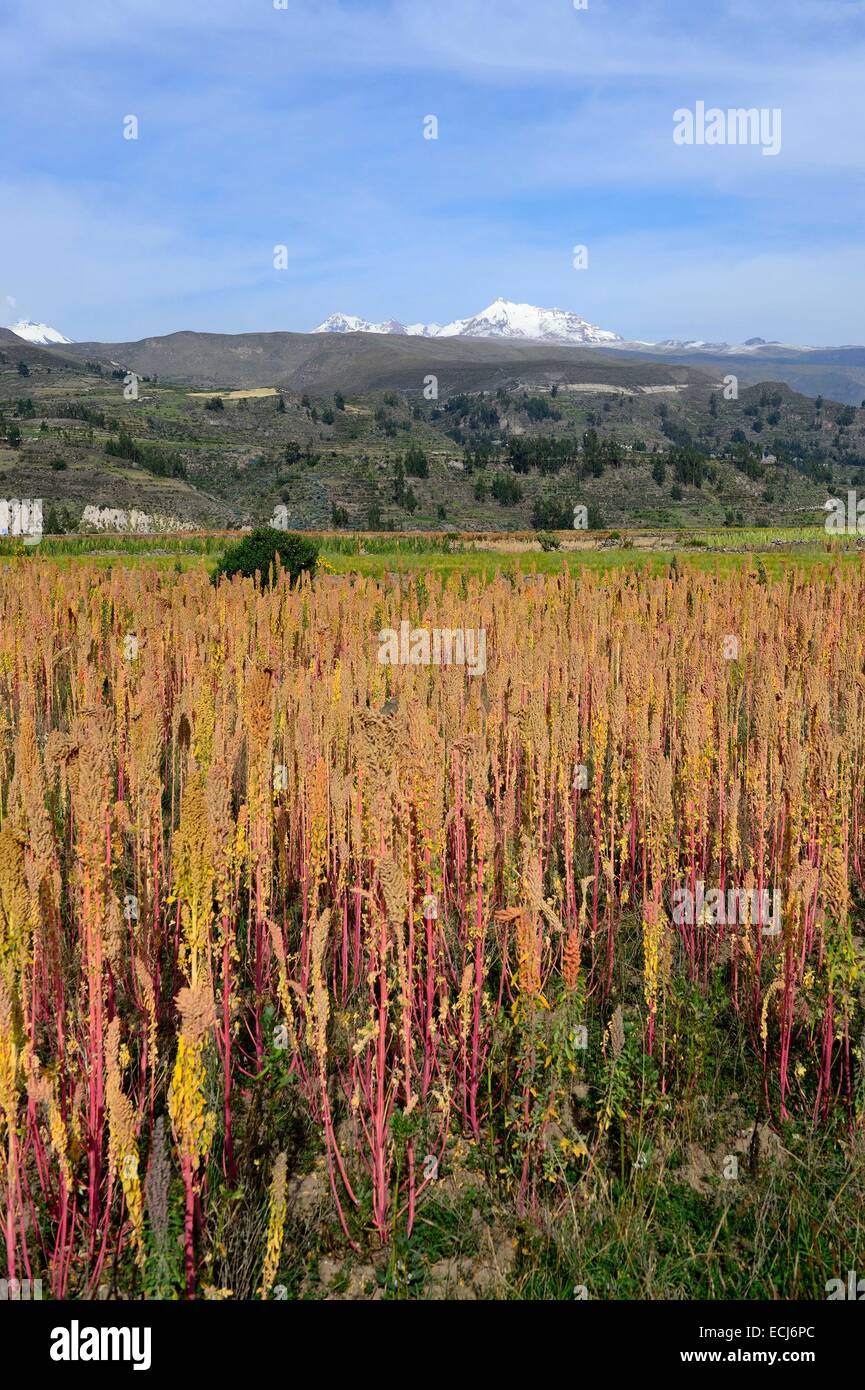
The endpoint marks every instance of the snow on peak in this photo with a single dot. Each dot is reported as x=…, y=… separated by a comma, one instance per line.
x=502, y=319
x=423, y=330
x=350, y=323
x=39, y=333
x=343, y=323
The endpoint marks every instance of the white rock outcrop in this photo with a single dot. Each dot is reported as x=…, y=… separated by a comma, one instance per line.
x=118, y=519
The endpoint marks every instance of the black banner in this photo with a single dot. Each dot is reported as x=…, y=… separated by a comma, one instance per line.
x=60, y=1339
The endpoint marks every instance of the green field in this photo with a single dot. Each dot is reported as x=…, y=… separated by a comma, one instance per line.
x=772, y=550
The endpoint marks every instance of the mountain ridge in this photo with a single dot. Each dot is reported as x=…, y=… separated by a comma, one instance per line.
x=358, y=360
x=546, y=423
x=502, y=319
x=506, y=319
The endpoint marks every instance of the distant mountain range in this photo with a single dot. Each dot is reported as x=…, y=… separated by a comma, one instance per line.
x=504, y=320
x=501, y=319
x=529, y=323
x=503, y=343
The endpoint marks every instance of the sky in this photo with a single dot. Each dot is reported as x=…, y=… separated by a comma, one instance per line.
x=303, y=127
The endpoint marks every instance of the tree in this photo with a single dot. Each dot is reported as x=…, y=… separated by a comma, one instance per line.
x=23, y=369
x=215, y=403
x=539, y=409
x=612, y=451
x=262, y=554
x=594, y=453
x=124, y=447
x=659, y=471
x=399, y=482
x=55, y=523
x=552, y=514
x=416, y=465
x=506, y=490
x=13, y=436
x=339, y=400
x=688, y=464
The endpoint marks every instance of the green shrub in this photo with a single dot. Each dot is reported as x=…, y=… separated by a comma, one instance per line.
x=552, y=514
x=506, y=490
x=416, y=463
x=264, y=552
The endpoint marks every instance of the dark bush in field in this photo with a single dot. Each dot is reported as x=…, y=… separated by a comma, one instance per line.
x=265, y=550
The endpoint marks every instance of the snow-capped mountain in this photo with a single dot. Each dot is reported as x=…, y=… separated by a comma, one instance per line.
x=679, y=346
x=503, y=319
x=528, y=323
x=350, y=323
x=39, y=333
x=423, y=330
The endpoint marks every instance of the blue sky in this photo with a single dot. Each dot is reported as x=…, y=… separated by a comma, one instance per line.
x=304, y=127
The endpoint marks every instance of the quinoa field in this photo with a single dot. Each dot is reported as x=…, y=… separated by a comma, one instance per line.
x=323, y=975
